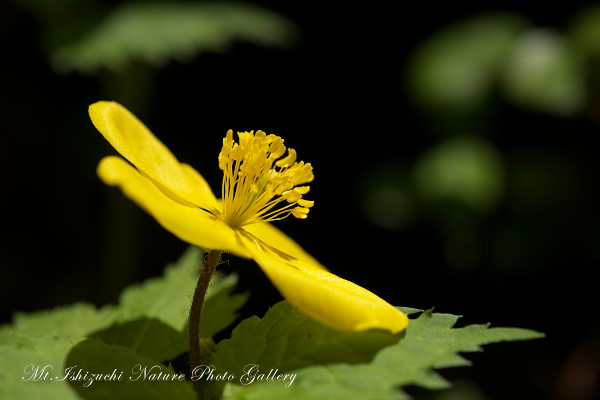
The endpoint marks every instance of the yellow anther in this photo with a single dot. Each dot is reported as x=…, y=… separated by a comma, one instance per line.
x=244, y=138
x=283, y=187
x=277, y=147
x=302, y=189
x=291, y=196
x=306, y=203
x=300, y=212
x=256, y=181
x=228, y=139
x=226, y=149
x=287, y=161
x=237, y=152
x=260, y=135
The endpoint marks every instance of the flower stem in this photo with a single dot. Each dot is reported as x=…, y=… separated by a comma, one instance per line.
x=196, y=311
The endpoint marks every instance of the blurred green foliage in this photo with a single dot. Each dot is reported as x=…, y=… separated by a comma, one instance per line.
x=536, y=68
x=158, y=32
x=584, y=31
x=62, y=20
x=463, y=77
x=465, y=169
x=455, y=68
x=461, y=390
x=544, y=73
x=387, y=196
x=88, y=35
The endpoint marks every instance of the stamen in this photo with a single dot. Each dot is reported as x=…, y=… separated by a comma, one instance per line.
x=256, y=180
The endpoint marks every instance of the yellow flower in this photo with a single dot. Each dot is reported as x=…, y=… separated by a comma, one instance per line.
x=260, y=184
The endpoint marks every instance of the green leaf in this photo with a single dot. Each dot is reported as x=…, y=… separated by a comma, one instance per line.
x=430, y=342
x=293, y=356
x=410, y=310
x=220, y=305
x=152, y=337
x=543, y=72
x=150, y=321
x=153, y=316
x=156, y=33
x=286, y=339
x=21, y=355
x=148, y=337
x=455, y=69
x=42, y=340
x=126, y=374
x=168, y=298
x=76, y=320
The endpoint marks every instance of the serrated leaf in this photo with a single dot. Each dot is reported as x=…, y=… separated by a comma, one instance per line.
x=76, y=320
x=430, y=341
x=165, y=298
x=286, y=339
x=144, y=322
x=452, y=360
x=153, y=316
x=410, y=310
x=153, y=338
x=156, y=33
x=432, y=380
x=168, y=298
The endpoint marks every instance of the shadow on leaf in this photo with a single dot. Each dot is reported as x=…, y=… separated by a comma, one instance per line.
x=97, y=370
x=286, y=339
x=148, y=337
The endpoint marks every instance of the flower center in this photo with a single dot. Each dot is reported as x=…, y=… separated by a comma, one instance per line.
x=257, y=180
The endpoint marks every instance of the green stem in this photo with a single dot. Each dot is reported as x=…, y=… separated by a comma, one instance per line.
x=196, y=311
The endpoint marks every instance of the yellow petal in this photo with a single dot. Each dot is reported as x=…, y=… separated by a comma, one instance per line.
x=130, y=137
x=333, y=301
x=190, y=224
x=198, y=187
x=268, y=233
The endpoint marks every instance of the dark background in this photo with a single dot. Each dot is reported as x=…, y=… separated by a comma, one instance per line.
x=338, y=95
